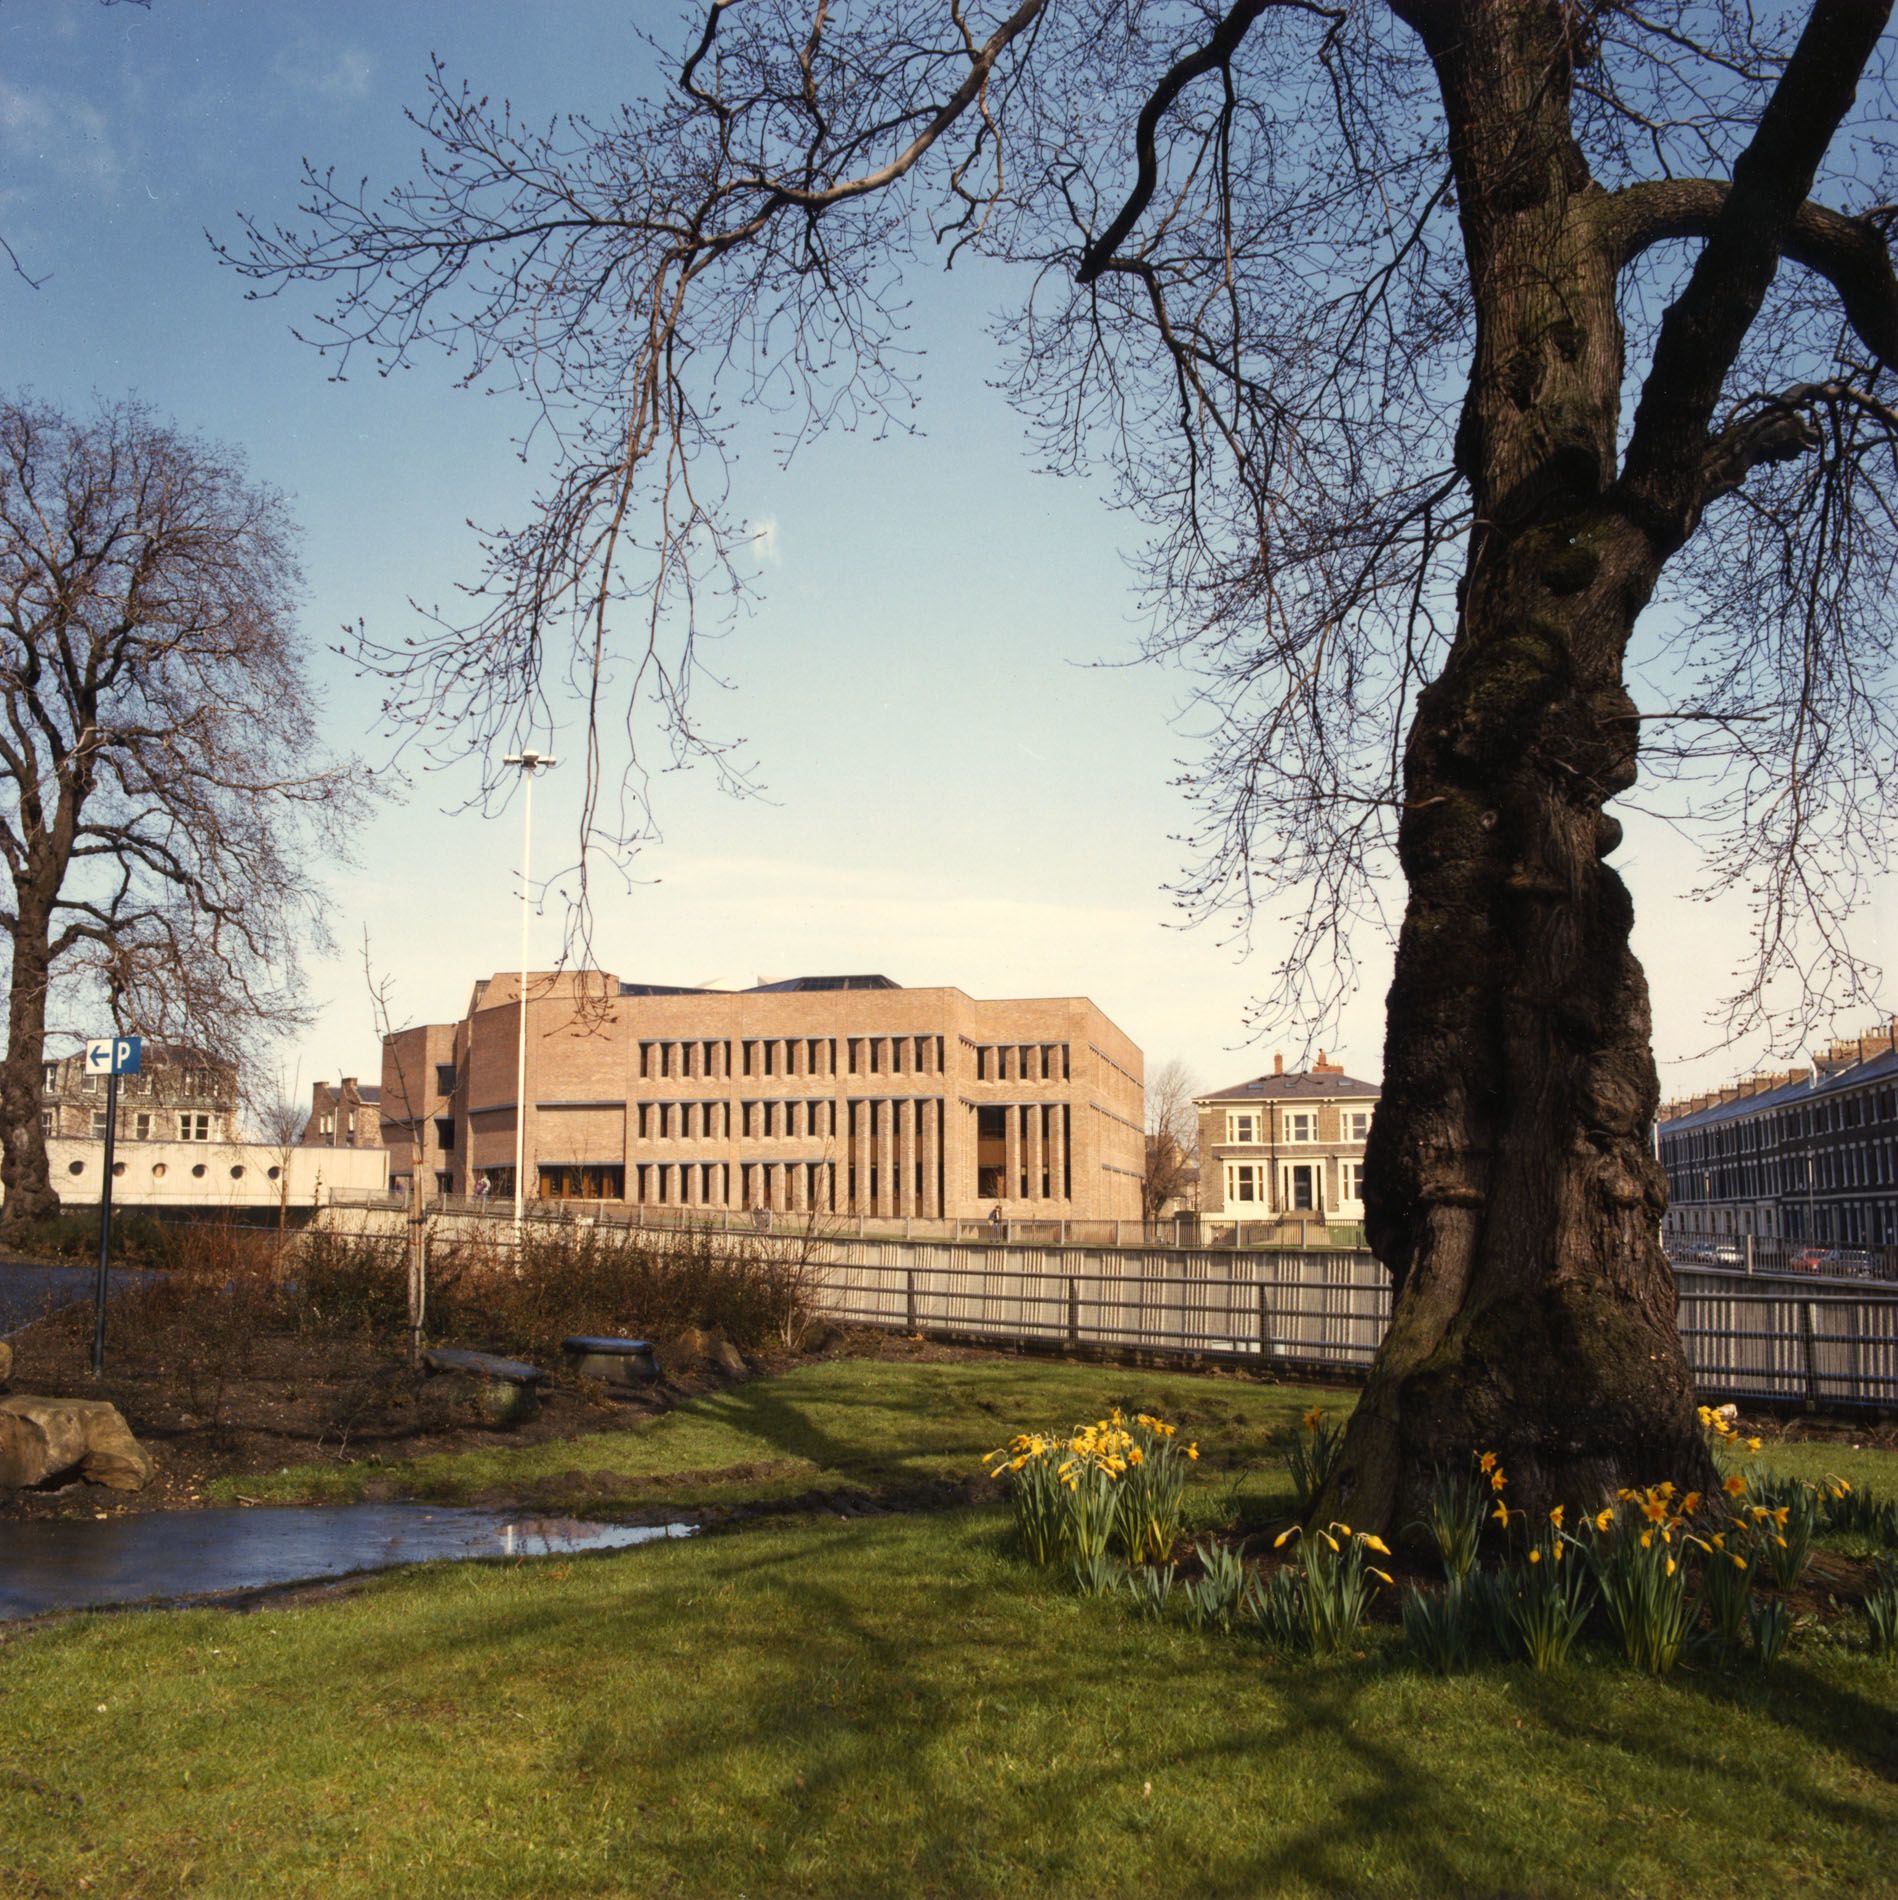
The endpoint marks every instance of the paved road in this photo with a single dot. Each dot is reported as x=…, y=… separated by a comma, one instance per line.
x=27, y=1292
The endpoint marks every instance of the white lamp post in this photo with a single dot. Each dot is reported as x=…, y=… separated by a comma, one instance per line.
x=530, y=762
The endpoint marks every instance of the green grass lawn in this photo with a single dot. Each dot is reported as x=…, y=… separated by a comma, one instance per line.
x=892, y=1706
x=898, y=1705
x=837, y=1425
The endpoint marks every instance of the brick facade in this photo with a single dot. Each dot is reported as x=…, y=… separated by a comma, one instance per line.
x=845, y=1094
x=343, y=1115
x=1286, y=1148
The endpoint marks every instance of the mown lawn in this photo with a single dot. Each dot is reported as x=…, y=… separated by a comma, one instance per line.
x=837, y=1425
x=893, y=1705
x=897, y=1705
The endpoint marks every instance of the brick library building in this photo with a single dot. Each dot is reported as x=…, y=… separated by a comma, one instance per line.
x=845, y=1094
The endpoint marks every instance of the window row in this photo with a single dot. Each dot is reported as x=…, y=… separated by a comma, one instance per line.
x=1021, y=1062
x=1301, y=1187
x=1246, y=1127
x=191, y=1084
x=761, y=1056
x=142, y=1126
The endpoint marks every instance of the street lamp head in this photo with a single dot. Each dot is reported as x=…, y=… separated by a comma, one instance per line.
x=530, y=761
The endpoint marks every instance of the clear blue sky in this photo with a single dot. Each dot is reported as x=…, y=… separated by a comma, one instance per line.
x=956, y=792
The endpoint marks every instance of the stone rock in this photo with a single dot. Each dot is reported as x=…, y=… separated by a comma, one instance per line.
x=727, y=1358
x=45, y=1438
x=6, y=1362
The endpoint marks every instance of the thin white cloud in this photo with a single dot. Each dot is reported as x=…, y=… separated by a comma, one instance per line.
x=338, y=74
x=766, y=542
x=59, y=131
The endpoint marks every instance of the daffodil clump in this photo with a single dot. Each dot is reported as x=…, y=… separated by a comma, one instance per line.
x=1334, y=1586
x=1641, y=1547
x=1111, y=1483
x=1310, y=1457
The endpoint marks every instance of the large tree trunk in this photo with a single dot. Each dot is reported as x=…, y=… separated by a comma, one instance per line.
x=1511, y=1190
x=23, y=1171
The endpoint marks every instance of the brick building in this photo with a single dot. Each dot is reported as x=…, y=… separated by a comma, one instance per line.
x=343, y=1115
x=180, y=1094
x=849, y=1093
x=1807, y=1154
x=1286, y=1149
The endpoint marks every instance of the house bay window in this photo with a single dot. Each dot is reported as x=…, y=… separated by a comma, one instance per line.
x=1244, y=1183
x=1242, y=1130
x=1301, y=1124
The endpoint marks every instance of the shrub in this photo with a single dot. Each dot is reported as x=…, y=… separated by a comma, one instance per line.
x=570, y=1278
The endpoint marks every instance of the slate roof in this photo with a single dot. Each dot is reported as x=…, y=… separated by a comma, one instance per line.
x=1872, y=1069
x=823, y=983
x=1295, y=1085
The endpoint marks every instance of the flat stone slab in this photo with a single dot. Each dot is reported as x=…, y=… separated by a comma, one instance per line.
x=46, y=1438
x=612, y=1361
x=485, y=1365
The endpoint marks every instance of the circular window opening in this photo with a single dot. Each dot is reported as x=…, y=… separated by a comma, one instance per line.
x=237, y=1173
x=197, y=1173
x=273, y=1172
x=158, y=1170
x=75, y=1167
x=118, y=1168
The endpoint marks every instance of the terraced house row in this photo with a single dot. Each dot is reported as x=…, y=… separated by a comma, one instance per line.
x=1806, y=1154
x=848, y=1093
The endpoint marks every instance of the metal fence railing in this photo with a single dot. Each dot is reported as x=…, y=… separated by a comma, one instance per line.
x=1803, y=1337
x=1192, y=1233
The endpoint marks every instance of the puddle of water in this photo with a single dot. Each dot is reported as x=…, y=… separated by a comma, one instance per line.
x=163, y=1556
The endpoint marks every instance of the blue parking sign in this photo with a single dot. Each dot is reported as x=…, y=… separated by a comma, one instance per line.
x=114, y=1055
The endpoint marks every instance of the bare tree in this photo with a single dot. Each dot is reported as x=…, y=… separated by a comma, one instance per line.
x=280, y=1114
x=1172, y=1136
x=161, y=804
x=1433, y=342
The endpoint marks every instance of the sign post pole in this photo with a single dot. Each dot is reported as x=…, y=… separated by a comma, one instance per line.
x=105, y=1223
x=112, y=1057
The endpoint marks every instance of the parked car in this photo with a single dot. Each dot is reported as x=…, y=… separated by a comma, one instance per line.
x=1698, y=1252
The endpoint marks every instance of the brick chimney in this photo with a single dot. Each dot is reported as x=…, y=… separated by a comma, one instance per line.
x=1278, y=1062
x=1322, y=1067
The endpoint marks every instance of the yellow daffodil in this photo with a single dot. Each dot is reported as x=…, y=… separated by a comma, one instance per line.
x=1752, y=1444
x=1535, y=1556
x=1283, y=1535
x=1371, y=1541
x=1734, y=1485
x=1605, y=1517
x=1313, y=1419
x=1555, y=1517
